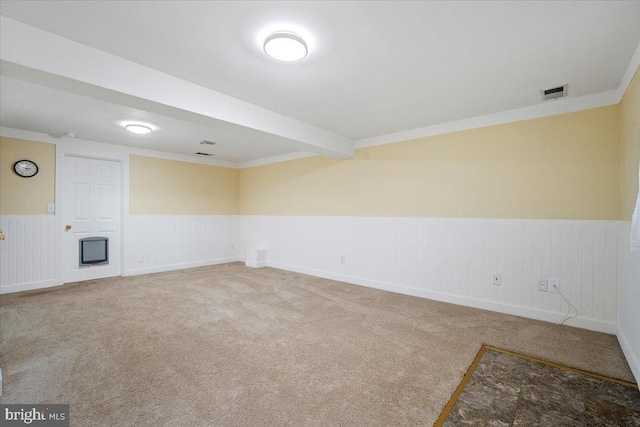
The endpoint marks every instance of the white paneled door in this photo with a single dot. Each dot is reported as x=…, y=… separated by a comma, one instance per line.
x=92, y=208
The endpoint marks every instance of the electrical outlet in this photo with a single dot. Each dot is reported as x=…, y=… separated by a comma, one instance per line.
x=233, y=246
x=343, y=259
x=554, y=285
x=496, y=279
x=140, y=258
x=543, y=285
x=51, y=207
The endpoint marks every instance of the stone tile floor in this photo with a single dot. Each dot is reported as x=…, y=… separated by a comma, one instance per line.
x=508, y=390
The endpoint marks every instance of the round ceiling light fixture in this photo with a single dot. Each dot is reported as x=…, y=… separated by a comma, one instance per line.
x=139, y=129
x=285, y=46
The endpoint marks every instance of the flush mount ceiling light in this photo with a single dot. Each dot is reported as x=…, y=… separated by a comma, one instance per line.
x=139, y=129
x=285, y=46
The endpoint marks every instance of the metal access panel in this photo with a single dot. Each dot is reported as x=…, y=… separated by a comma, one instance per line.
x=94, y=251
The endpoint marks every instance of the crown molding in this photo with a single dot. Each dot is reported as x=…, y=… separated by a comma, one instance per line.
x=276, y=159
x=629, y=73
x=546, y=109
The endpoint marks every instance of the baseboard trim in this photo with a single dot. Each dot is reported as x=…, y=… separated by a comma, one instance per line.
x=579, y=322
x=131, y=272
x=255, y=264
x=28, y=286
x=182, y=266
x=632, y=359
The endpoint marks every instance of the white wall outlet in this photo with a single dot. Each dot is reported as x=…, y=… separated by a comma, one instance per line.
x=496, y=279
x=554, y=285
x=51, y=207
x=233, y=246
x=140, y=258
x=343, y=259
x=543, y=285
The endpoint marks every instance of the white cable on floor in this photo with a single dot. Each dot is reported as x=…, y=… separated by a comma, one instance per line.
x=565, y=318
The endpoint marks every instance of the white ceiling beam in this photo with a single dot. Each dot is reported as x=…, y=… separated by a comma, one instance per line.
x=31, y=54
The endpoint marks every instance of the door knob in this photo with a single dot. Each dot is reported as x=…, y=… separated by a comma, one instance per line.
x=67, y=228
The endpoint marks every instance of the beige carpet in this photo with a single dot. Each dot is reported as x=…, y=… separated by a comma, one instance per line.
x=229, y=345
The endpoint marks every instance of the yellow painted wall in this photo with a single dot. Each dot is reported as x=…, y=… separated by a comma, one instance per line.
x=560, y=167
x=26, y=196
x=169, y=187
x=581, y=165
x=630, y=143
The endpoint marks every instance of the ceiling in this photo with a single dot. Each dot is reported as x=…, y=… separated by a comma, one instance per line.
x=37, y=108
x=373, y=68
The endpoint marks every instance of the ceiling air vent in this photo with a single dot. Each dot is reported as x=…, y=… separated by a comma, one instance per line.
x=205, y=142
x=203, y=154
x=555, y=92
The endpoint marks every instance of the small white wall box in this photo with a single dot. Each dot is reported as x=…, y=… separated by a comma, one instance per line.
x=256, y=258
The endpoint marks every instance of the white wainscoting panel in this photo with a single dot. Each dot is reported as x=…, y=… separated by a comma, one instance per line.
x=629, y=300
x=453, y=260
x=444, y=259
x=155, y=243
x=26, y=254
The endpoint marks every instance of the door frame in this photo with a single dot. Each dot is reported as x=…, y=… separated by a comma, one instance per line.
x=94, y=152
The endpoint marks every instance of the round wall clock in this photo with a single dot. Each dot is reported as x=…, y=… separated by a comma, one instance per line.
x=25, y=168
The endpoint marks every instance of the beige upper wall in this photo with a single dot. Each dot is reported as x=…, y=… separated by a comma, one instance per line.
x=561, y=167
x=567, y=166
x=169, y=187
x=630, y=146
x=26, y=196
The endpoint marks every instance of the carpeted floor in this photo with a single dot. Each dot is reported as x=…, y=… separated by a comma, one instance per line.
x=230, y=345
